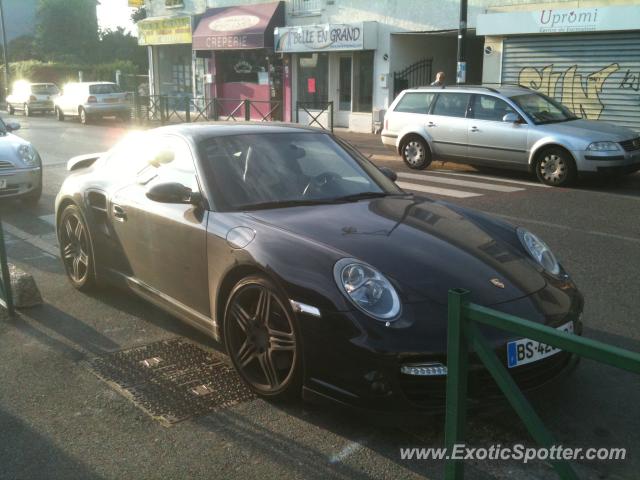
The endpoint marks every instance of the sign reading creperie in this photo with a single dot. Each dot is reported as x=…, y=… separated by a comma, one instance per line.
x=164, y=31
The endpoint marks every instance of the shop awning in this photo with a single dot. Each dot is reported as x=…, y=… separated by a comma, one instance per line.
x=238, y=28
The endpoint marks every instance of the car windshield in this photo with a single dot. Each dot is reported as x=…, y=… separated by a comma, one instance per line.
x=542, y=109
x=103, y=88
x=44, y=89
x=256, y=171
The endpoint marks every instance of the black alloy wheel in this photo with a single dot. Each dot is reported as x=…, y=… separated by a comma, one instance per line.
x=75, y=248
x=262, y=339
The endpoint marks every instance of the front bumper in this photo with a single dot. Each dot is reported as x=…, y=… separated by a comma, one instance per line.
x=363, y=369
x=20, y=181
x=607, y=162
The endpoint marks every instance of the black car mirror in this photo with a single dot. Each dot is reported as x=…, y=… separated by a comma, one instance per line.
x=12, y=126
x=390, y=174
x=173, y=192
x=511, y=118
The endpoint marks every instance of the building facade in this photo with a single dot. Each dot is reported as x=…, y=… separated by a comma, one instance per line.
x=358, y=54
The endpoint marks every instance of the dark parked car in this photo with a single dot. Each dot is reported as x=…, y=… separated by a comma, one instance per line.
x=317, y=272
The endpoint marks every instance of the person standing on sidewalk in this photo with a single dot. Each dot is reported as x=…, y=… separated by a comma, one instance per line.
x=439, y=81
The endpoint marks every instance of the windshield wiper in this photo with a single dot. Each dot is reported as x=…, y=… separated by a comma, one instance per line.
x=279, y=204
x=361, y=196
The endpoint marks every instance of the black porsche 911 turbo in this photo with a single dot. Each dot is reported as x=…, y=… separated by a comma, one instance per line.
x=318, y=273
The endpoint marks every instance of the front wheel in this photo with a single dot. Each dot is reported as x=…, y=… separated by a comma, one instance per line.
x=555, y=167
x=10, y=109
x=27, y=110
x=262, y=339
x=415, y=153
x=59, y=115
x=75, y=249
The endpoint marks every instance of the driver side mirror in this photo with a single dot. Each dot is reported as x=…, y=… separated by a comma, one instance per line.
x=173, y=192
x=12, y=126
x=511, y=118
x=390, y=174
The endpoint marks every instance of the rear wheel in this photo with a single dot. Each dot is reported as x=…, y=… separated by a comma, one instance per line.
x=555, y=167
x=27, y=110
x=84, y=117
x=10, y=109
x=415, y=153
x=75, y=249
x=262, y=339
x=59, y=115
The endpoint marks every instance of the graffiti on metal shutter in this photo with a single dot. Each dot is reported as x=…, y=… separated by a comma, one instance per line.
x=569, y=87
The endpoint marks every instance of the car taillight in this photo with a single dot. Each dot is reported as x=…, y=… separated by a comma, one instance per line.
x=32, y=98
x=92, y=99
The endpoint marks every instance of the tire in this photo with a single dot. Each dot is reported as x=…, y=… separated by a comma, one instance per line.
x=10, y=109
x=266, y=352
x=59, y=115
x=84, y=116
x=415, y=153
x=27, y=111
x=76, y=249
x=555, y=167
x=32, y=198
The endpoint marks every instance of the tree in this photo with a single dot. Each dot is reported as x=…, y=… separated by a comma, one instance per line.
x=22, y=48
x=67, y=30
x=120, y=45
x=139, y=14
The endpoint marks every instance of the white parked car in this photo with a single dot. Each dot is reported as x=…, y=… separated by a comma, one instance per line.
x=31, y=98
x=89, y=100
x=20, y=166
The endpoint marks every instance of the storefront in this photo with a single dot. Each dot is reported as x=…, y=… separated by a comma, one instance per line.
x=333, y=63
x=170, y=57
x=587, y=58
x=237, y=43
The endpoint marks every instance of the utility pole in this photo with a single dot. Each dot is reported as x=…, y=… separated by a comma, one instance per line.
x=4, y=52
x=461, y=67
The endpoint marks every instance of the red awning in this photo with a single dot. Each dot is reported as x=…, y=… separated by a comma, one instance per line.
x=238, y=28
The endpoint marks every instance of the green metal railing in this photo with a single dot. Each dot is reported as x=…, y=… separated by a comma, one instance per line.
x=464, y=335
x=6, y=295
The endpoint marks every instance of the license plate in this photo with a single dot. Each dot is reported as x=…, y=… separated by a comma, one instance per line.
x=523, y=351
x=3, y=184
x=110, y=100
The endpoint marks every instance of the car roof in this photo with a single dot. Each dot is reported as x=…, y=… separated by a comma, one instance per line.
x=91, y=83
x=201, y=131
x=506, y=90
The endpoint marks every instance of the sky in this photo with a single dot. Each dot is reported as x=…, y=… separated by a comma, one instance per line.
x=115, y=13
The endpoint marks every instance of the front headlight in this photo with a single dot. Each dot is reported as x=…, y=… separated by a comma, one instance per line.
x=539, y=251
x=604, y=147
x=367, y=288
x=28, y=155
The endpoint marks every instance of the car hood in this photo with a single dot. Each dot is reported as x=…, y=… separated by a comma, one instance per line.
x=427, y=247
x=591, y=130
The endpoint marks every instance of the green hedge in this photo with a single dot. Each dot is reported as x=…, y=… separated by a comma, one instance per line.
x=60, y=73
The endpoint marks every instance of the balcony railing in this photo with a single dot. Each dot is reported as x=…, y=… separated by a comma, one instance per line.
x=306, y=7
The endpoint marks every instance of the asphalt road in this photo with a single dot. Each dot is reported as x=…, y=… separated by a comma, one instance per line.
x=59, y=421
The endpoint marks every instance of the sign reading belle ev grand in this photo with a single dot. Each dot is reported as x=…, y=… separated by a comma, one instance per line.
x=566, y=20
x=328, y=37
x=164, y=31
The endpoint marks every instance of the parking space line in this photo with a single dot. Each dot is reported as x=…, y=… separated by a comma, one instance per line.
x=460, y=183
x=31, y=239
x=50, y=219
x=484, y=177
x=437, y=190
x=347, y=451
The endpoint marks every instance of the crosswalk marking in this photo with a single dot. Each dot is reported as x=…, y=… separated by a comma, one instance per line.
x=460, y=183
x=437, y=190
x=484, y=177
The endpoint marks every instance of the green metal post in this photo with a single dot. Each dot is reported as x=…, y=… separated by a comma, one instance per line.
x=187, y=109
x=6, y=276
x=247, y=110
x=457, y=369
x=516, y=398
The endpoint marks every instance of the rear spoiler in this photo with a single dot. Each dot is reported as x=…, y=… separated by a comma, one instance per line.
x=83, y=161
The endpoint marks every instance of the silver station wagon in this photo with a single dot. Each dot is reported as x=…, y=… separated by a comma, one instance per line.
x=510, y=127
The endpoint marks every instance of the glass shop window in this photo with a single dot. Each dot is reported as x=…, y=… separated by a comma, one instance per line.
x=313, y=77
x=363, y=81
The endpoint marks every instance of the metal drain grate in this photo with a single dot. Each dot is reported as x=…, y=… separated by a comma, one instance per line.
x=172, y=380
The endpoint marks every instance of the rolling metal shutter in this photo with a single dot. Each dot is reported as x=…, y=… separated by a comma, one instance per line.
x=596, y=75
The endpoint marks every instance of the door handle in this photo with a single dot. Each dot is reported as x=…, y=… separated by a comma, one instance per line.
x=431, y=124
x=474, y=129
x=119, y=213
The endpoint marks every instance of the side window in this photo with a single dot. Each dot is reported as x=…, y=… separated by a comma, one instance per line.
x=451, y=104
x=129, y=157
x=486, y=107
x=182, y=168
x=415, y=102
